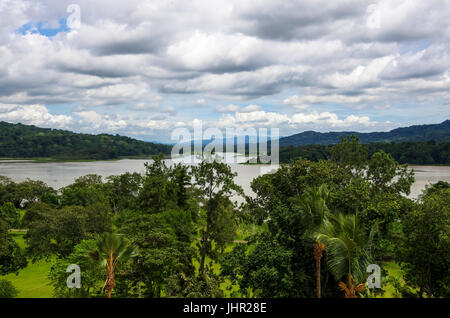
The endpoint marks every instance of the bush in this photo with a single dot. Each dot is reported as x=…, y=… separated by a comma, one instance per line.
x=7, y=289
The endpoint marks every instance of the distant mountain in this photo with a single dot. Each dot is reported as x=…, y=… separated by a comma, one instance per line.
x=24, y=141
x=437, y=132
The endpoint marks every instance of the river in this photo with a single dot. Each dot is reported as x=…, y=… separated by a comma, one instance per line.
x=60, y=174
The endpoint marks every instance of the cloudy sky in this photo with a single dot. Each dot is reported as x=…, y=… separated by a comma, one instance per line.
x=143, y=68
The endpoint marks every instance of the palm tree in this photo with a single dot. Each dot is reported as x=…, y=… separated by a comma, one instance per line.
x=348, y=248
x=110, y=249
x=315, y=206
x=318, y=251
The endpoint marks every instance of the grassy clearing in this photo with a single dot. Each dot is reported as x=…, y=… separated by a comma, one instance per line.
x=32, y=281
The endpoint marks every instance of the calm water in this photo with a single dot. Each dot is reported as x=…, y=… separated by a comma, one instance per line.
x=61, y=174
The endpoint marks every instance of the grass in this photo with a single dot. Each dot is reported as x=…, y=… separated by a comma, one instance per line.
x=395, y=271
x=32, y=281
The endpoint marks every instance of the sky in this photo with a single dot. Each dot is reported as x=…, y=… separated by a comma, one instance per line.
x=144, y=68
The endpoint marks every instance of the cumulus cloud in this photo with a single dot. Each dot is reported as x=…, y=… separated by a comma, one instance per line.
x=360, y=59
x=33, y=115
x=331, y=119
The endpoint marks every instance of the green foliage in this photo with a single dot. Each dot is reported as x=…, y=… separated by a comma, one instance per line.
x=110, y=246
x=84, y=191
x=7, y=289
x=425, y=252
x=12, y=258
x=10, y=215
x=92, y=274
x=109, y=251
x=201, y=286
x=56, y=232
x=348, y=246
x=184, y=226
x=412, y=152
x=386, y=175
x=266, y=270
x=27, y=192
x=215, y=183
x=349, y=153
x=160, y=254
x=123, y=191
x=22, y=141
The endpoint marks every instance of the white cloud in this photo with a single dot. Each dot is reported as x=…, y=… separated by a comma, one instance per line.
x=138, y=58
x=331, y=119
x=33, y=115
x=296, y=101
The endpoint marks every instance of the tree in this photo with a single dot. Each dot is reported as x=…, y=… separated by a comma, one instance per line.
x=265, y=270
x=315, y=206
x=124, y=190
x=30, y=191
x=10, y=215
x=387, y=176
x=216, y=185
x=7, y=289
x=91, y=274
x=348, y=249
x=110, y=250
x=86, y=190
x=56, y=232
x=12, y=258
x=425, y=252
x=182, y=178
x=349, y=153
x=162, y=252
x=158, y=192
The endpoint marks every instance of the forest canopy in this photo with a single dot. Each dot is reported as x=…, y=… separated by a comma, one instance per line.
x=23, y=141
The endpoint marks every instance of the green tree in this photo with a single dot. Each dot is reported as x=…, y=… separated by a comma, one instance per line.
x=314, y=204
x=30, y=191
x=110, y=250
x=7, y=289
x=349, y=153
x=12, y=258
x=86, y=190
x=348, y=249
x=425, y=252
x=91, y=274
x=163, y=252
x=216, y=185
x=10, y=215
x=56, y=232
x=124, y=190
x=158, y=192
x=387, y=176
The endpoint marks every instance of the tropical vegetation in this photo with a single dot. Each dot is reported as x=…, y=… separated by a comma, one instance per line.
x=310, y=229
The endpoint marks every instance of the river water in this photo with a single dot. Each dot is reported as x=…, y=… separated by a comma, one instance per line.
x=60, y=174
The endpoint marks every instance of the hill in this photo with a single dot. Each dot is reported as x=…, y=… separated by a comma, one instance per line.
x=24, y=141
x=437, y=132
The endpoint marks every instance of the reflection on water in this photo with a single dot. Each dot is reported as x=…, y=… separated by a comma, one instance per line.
x=60, y=174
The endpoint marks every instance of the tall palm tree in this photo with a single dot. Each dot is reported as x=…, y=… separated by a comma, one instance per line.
x=314, y=204
x=111, y=249
x=348, y=248
x=319, y=248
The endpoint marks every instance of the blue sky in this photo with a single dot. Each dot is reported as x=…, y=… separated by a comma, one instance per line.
x=144, y=68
